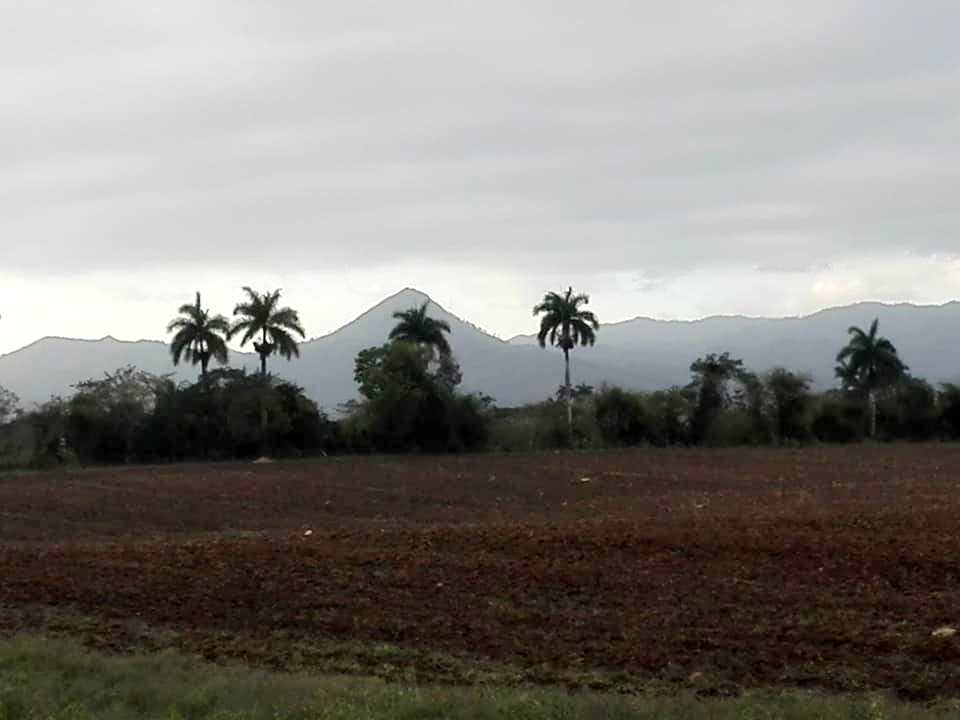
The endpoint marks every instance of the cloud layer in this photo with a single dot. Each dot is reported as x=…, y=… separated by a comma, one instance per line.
x=631, y=147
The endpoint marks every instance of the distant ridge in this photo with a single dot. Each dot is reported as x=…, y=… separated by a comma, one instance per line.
x=762, y=318
x=641, y=353
x=104, y=339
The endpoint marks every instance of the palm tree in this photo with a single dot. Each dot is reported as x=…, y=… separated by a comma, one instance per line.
x=199, y=336
x=846, y=375
x=565, y=324
x=417, y=327
x=868, y=363
x=260, y=315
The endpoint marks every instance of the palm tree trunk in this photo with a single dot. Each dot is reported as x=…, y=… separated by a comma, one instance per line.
x=263, y=355
x=872, y=413
x=263, y=396
x=263, y=420
x=568, y=392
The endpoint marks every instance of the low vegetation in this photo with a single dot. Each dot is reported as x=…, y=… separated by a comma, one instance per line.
x=59, y=680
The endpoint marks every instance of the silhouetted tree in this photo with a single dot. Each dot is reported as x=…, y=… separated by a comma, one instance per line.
x=199, y=336
x=671, y=412
x=948, y=401
x=106, y=417
x=565, y=324
x=908, y=409
x=869, y=363
x=409, y=404
x=261, y=315
x=712, y=375
x=416, y=327
x=790, y=402
x=9, y=405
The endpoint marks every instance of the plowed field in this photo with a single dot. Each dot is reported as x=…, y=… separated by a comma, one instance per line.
x=829, y=567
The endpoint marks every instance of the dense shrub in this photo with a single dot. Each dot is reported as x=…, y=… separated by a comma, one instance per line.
x=791, y=405
x=543, y=426
x=410, y=404
x=948, y=402
x=730, y=428
x=621, y=417
x=908, y=410
x=839, y=418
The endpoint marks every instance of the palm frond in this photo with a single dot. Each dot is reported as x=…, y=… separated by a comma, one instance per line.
x=197, y=334
x=565, y=323
x=219, y=324
x=218, y=349
x=283, y=342
x=287, y=318
x=246, y=326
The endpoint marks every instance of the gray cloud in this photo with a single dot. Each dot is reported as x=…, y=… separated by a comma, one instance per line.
x=624, y=136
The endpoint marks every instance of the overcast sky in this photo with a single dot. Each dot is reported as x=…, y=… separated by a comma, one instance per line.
x=673, y=159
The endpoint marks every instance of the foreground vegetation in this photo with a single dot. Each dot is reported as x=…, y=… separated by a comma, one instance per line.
x=58, y=680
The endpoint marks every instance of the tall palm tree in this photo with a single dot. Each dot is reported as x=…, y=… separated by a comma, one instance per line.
x=261, y=315
x=566, y=324
x=199, y=337
x=417, y=327
x=867, y=363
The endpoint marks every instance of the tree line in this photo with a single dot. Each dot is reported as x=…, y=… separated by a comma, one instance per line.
x=409, y=399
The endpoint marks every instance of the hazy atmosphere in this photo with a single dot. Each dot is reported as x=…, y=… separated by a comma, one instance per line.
x=757, y=157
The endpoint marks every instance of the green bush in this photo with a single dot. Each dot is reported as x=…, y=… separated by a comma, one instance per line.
x=839, y=418
x=621, y=417
x=948, y=402
x=411, y=405
x=730, y=428
x=543, y=426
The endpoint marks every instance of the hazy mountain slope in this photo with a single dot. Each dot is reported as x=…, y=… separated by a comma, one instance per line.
x=51, y=366
x=510, y=374
x=640, y=353
x=923, y=335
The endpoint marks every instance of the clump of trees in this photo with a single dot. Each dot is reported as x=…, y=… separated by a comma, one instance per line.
x=725, y=403
x=131, y=416
x=410, y=399
x=868, y=365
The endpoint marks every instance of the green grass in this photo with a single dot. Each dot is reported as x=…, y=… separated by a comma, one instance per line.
x=58, y=680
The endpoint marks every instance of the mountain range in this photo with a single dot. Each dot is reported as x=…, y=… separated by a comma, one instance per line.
x=642, y=353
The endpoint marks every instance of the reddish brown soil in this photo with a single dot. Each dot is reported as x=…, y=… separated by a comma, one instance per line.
x=826, y=566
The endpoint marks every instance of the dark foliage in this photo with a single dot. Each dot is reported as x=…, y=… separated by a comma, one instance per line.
x=418, y=328
x=838, y=418
x=949, y=405
x=131, y=416
x=908, y=410
x=790, y=405
x=621, y=417
x=411, y=405
x=224, y=418
x=713, y=376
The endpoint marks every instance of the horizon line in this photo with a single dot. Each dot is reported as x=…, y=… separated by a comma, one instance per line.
x=507, y=341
